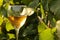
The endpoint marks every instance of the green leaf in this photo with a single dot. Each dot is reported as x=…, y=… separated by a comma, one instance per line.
x=54, y=29
x=11, y=36
x=46, y=35
x=42, y=26
x=1, y=2
x=11, y=2
x=1, y=20
x=42, y=11
x=26, y=1
x=45, y=4
x=53, y=22
x=9, y=26
x=34, y=3
x=6, y=5
x=54, y=6
x=4, y=12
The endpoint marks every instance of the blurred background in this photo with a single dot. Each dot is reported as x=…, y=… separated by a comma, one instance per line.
x=44, y=24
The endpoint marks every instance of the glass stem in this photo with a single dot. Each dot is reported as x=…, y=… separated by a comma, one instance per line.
x=17, y=32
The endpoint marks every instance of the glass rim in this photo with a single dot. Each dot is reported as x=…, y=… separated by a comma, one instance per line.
x=15, y=8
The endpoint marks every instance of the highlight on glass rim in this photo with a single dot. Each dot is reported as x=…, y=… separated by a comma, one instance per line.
x=29, y=19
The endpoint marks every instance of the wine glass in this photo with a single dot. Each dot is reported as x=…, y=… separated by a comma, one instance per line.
x=17, y=14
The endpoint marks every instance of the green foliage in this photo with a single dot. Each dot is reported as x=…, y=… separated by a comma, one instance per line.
x=11, y=36
x=1, y=20
x=9, y=26
x=46, y=35
x=39, y=26
x=1, y=3
x=42, y=10
x=26, y=1
x=34, y=3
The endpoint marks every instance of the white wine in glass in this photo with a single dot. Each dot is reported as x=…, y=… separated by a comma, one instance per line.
x=17, y=14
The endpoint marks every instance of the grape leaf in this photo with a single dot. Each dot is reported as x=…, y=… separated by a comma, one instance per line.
x=46, y=35
x=9, y=26
x=11, y=36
